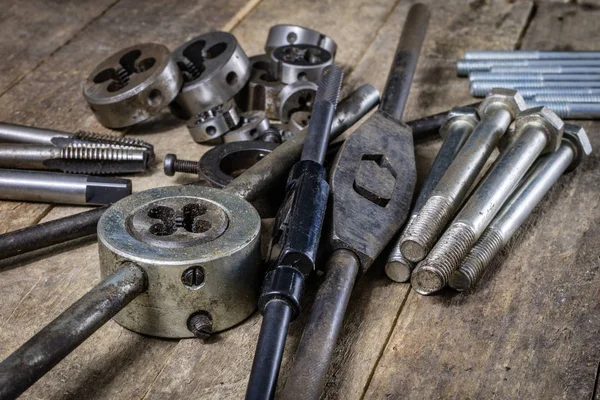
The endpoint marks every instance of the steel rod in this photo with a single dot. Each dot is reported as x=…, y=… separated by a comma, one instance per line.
x=60, y=337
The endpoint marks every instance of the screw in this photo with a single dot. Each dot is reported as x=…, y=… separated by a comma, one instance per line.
x=530, y=55
x=491, y=76
x=570, y=110
x=465, y=67
x=481, y=88
x=496, y=113
x=200, y=324
x=193, y=277
x=538, y=130
x=458, y=126
x=538, y=182
x=172, y=165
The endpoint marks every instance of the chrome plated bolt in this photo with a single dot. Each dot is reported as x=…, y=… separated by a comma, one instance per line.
x=460, y=123
x=575, y=145
x=566, y=98
x=530, y=55
x=465, y=67
x=492, y=76
x=496, y=113
x=539, y=131
x=570, y=110
x=526, y=93
x=482, y=88
x=555, y=69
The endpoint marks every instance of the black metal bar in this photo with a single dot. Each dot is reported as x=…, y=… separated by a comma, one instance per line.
x=60, y=337
x=405, y=60
x=269, y=350
x=427, y=127
x=309, y=371
x=50, y=233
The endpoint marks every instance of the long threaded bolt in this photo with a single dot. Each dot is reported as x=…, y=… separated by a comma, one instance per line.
x=172, y=165
x=530, y=55
x=492, y=76
x=567, y=98
x=570, y=110
x=556, y=69
x=538, y=130
x=459, y=125
x=482, y=88
x=517, y=209
x=496, y=113
x=465, y=67
x=526, y=93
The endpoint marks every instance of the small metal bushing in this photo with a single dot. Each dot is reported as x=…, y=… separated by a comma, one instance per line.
x=132, y=85
x=263, y=88
x=284, y=35
x=214, y=123
x=298, y=96
x=199, y=248
x=222, y=164
x=300, y=62
x=214, y=68
x=253, y=125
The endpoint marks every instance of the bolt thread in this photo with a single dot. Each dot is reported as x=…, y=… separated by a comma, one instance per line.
x=445, y=257
x=492, y=76
x=480, y=256
x=187, y=166
x=424, y=228
x=568, y=98
x=398, y=268
x=551, y=92
x=530, y=55
x=481, y=88
x=112, y=140
x=465, y=67
x=551, y=69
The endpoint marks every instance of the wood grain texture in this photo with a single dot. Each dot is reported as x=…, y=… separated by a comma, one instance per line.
x=529, y=328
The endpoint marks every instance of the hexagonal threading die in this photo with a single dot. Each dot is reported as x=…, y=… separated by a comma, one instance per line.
x=544, y=119
x=208, y=126
x=580, y=143
x=132, y=85
x=284, y=35
x=229, y=260
x=300, y=62
x=214, y=67
x=263, y=88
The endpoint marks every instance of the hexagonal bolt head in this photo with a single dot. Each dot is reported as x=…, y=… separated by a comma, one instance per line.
x=200, y=324
x=544, y=119
x=508, y=99
x=577, y=136
x=467, y=114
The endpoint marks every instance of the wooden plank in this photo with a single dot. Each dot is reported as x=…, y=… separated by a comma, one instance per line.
x=529, y=330
x=32, y=30
x=115, y=362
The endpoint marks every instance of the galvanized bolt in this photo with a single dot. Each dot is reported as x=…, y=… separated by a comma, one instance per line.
x=492, y=76
x=496, y=113
x=465, y=67
x=530, y=55
x=481, y=88
x=570, y=110
x=539, y=131
x=530, y=93
x=460, y=123
x=555, y=69
x=566, y=98
x=543, y=175
x=193, y=277
x=200, y=324
x=172, y=165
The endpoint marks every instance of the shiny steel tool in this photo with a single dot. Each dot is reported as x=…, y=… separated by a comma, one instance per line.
x=284, y=35
x=372, y=183
x=132, y=85
x=31, y=361
x=96, y=159
x=50, y=187
x=295, y=240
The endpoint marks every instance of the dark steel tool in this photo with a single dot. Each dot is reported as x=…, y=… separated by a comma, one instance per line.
x=295, y=240
x=372, y=183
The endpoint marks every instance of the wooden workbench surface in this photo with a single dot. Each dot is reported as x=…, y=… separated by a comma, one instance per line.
x=530, y=329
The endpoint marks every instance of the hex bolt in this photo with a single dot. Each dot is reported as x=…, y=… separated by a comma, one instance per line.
x=575, y=145
x=491, y=76
x=566, y=98
x=481, y=88
x=570, y=110
x=539, y=131
x=530, y=55
x=557, y=92
x=200, y=324
x=496, y=113
x=459, y=125
x=193, y=277
x=172, y=165
x=555, y=69
x=465, y=67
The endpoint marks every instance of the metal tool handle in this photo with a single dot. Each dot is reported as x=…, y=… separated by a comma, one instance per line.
x=13, y=133
x=405, y=60
x=60, y=337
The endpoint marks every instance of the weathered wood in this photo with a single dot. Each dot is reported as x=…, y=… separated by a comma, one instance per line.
x=529, y=329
